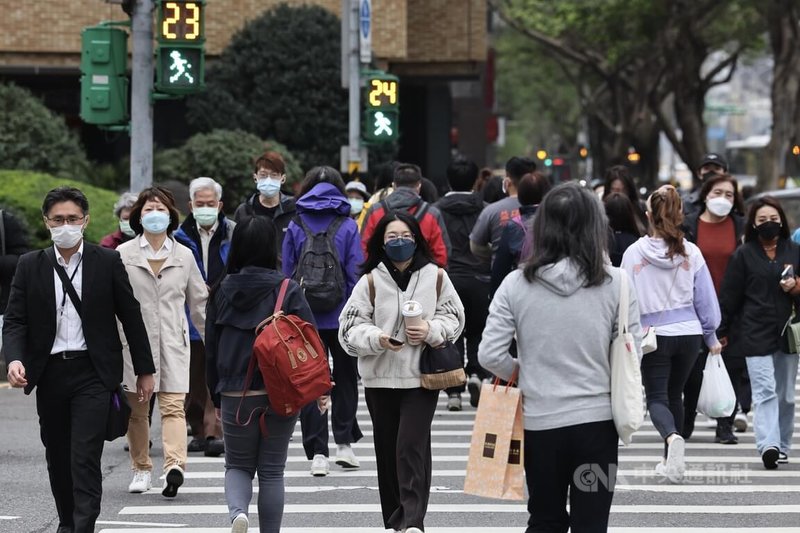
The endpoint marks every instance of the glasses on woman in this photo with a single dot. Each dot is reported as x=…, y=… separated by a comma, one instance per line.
x=408, y=236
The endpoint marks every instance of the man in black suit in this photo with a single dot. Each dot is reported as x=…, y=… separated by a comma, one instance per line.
x=73, y=355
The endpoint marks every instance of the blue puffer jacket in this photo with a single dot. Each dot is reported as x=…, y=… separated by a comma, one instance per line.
x=318, y=208
x=188, y=236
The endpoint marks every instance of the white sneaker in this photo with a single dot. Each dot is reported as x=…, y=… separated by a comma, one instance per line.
x=740, y=423
x=675, y=465
x=240, y=524
x=345, y=457
x=454, y=402
x=320, y=466
x=413, y=530
x=142, y=481
x=172, y=481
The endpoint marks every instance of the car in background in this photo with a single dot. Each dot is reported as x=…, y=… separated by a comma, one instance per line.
x=790, y=201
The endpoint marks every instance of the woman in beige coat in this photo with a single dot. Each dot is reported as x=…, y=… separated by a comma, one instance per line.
x=165, y=279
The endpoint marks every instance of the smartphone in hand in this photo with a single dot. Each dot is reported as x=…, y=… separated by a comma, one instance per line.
x=395, y=342
x=788, y=272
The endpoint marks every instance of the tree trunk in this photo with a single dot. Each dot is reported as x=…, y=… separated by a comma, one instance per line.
x=782, y=23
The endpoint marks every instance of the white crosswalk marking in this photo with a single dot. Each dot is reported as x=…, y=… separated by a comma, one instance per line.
x=726, y=489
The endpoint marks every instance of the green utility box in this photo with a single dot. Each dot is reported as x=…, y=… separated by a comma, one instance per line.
x=104, y=84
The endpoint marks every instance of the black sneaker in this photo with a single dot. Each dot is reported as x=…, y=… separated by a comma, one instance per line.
x=770, y=458
x=474, y=388
x=172, y=481
x=214, y=447
x=725, y=433
x=688, y=426
x=196, y=445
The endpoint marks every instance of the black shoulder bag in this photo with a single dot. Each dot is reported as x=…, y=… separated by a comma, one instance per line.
x=119, y=410
x=441, y=367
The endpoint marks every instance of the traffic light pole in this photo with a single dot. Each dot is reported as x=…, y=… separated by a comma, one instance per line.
x=354, y=130
x=141, y=90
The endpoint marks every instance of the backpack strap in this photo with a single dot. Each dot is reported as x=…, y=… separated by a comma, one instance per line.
x=281, y=296
x=419, y=214
x=439, y=276
x=371, y=285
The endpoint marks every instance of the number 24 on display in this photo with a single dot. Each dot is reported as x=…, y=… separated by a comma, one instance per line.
x=173, y=18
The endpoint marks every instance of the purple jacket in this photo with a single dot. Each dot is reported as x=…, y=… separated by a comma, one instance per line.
x=317, y=208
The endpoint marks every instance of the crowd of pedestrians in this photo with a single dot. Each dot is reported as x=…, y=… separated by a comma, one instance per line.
x=522, y=275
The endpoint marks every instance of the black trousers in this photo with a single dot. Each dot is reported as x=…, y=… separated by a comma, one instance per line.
x=73, y=406
x=580, y=460
x=344, y=398
x=474, y=295
x=401, y=420
x=664, y=373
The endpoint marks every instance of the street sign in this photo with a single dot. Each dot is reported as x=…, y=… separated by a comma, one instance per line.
x=351, y=167
x=365, y=31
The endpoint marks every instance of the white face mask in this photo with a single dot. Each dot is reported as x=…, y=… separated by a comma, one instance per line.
x=125, y=228
x=67, y=236
x=719, y=206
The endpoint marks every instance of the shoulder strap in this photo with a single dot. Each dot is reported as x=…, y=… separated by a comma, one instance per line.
x=371, y=285
x=65, y=281
x=281, y=296
x=439, y=276
x=335, y=224
x=421, y=210
x=2, y=234
x=624, y=305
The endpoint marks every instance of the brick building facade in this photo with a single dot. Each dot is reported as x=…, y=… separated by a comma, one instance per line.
x=428, y=43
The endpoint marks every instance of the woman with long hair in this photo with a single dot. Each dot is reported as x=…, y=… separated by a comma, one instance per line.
x=245, y=295
x=758, y=297
x=562, y=308
x=717, y=229
x=623, y=224
x=166, y=281
x=399, y=268
x=676, y=296
x=618, y=180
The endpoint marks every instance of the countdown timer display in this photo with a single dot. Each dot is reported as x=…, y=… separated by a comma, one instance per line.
x=382, y=92
x=180, y=21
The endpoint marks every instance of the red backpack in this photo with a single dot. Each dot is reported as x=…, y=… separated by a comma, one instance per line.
x=292, y=360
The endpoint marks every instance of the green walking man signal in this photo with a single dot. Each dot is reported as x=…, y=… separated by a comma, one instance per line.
x=382, y=108
x=180, y=55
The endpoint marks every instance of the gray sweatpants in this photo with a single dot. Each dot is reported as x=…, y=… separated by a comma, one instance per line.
x=247, y=451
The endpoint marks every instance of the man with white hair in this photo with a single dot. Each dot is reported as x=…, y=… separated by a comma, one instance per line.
x=207, y=232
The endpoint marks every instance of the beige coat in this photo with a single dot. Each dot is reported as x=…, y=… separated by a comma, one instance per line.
x=162, y=299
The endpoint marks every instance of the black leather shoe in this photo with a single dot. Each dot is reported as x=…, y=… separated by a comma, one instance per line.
x=724, y=433
x=214, y=447
x=65, y=529
x=196, y=445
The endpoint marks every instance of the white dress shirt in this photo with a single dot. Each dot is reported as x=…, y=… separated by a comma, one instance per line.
x=69, y=328
x=205, y=241
x=151, y=254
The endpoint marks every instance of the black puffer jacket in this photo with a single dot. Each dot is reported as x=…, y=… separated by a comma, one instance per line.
x=751, y=293
x=238, y=305
x=460, y=212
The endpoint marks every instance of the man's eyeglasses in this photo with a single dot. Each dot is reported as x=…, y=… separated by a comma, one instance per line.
x=268, y=175
x=60, y=221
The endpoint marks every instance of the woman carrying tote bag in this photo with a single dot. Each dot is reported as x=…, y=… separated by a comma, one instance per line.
x=563, y=310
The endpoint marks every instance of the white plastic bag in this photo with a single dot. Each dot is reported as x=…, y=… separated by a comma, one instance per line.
x=717, y=398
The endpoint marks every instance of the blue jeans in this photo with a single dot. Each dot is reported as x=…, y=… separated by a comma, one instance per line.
x=772, y=379
x=247, y=451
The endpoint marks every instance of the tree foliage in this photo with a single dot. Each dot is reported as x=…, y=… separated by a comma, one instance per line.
x=227, y=156
x=640, y=66
x=280, y=78
x=34, y=138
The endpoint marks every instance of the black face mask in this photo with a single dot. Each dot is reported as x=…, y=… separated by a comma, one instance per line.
x=768, y=230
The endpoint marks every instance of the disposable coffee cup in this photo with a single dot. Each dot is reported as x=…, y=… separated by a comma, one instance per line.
x=412, y=315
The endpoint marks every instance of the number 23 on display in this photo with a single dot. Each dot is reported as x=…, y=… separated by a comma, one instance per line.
x=174, y=18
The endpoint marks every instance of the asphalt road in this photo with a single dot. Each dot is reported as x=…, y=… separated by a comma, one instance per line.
x=726, y=489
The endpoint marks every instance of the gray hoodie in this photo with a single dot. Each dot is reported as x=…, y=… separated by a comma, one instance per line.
x=564, y=331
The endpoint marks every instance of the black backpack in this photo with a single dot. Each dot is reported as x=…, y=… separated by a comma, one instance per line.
x=318, y=270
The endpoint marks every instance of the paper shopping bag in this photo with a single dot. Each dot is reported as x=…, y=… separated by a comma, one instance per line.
x=495, y=468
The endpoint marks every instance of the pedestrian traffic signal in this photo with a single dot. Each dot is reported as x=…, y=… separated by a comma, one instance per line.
x=180, y=56
x=104, y=85
x=382, y=108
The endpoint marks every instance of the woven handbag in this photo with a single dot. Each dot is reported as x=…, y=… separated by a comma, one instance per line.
x=441, y=367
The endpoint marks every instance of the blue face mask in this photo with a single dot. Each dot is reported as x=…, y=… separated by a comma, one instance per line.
x=400, y=250
x=356, y=205
x=268, y=187
x=155, y=222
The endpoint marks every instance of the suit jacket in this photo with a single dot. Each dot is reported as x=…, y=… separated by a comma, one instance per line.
x=30, y=318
